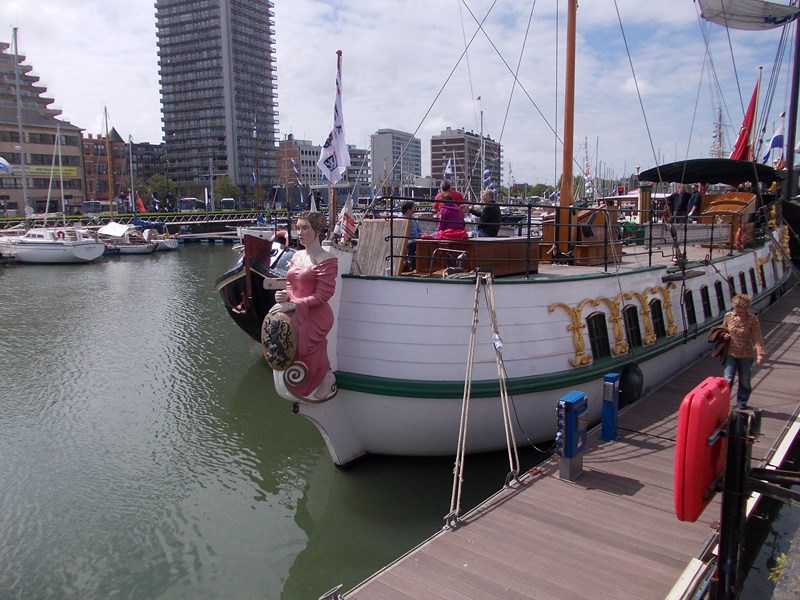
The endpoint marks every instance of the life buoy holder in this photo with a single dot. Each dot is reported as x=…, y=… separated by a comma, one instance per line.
x=60, y=235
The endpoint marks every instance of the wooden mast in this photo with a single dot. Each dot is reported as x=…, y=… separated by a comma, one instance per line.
x=564, y=234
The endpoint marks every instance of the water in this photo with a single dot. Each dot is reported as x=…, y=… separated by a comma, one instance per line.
x=144, y=454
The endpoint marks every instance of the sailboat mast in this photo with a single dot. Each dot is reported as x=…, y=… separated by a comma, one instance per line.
x=130, y=158
x=61, y=173
x=483, y=157
x=789, y=190
x=109, y=165
x=20, y=132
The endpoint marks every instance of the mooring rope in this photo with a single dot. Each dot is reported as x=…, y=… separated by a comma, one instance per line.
x=485, y=280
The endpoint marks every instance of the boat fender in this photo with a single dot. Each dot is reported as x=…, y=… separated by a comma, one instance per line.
x=60, y=235
x=278, y=341
x=631, y=383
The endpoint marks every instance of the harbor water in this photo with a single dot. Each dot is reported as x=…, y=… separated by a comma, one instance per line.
x=144, y=453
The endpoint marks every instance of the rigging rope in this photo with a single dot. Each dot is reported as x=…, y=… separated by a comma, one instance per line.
x=481, y=280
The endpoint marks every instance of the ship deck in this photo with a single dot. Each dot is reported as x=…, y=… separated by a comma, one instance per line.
x=611, y=533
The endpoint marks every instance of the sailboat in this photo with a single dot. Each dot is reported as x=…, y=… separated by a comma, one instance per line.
x=474, y=352
x=51, y=245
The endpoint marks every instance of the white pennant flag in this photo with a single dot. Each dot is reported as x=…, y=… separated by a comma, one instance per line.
x=334, y=157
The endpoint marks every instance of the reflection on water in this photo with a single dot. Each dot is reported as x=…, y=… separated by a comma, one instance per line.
x=144, y=454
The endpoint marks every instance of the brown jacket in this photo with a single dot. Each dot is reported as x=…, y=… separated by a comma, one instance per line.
x=717, y=337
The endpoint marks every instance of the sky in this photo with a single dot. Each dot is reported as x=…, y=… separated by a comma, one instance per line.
x=648, y=87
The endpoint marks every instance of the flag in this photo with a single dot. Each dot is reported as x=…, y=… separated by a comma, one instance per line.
x=743, y=149
x=254, y=178
x=140, y=204
x=775, y=142
x=479, y=98
x=334, y=157
x=5, y=167
x=346, y=224
x=256, y=128
x=448, y=170
x=296, y=173
x=312, y=203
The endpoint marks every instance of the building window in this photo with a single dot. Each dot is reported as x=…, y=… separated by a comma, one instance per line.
x=705, y=299
x=688, y=303
x=763, y=277
x=632, y=326
x=731, y=286
x=743, y=282
x=598, y=335
x=657, y=314
x=753, y=283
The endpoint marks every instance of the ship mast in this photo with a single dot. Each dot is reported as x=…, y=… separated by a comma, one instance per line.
x=565, y=200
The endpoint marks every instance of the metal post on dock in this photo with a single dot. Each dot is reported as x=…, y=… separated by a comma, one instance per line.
x=610, y=407
x=571, y=437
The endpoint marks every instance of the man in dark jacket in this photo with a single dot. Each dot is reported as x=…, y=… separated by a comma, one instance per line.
x=488, y=215
x=678, y=204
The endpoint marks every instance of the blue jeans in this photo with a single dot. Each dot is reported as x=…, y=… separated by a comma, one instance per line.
x=740, y=366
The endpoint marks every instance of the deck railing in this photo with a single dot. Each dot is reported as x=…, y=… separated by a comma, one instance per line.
x=639, y=232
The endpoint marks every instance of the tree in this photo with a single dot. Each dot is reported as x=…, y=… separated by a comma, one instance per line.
x=225, y=188
x=162, y=185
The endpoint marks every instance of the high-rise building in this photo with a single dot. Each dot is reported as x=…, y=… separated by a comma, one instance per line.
x=462, y=151
x=53, y=158
x=396, y=160
x=218, y=91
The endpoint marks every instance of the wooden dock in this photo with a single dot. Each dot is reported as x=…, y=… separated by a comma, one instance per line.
x=612, y=533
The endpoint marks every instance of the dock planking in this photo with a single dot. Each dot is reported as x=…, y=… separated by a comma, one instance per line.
x=611, y=533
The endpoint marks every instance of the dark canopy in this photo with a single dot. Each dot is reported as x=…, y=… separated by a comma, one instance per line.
x=711, y=170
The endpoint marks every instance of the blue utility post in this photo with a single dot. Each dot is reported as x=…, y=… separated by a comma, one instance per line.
x=571, y=437
x=610, y=407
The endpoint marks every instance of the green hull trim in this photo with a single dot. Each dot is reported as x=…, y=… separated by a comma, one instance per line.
x=411, y=388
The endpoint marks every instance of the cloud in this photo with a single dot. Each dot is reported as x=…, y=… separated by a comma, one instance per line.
x=397, y=57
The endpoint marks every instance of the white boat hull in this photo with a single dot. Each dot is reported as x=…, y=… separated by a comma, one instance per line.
x=399, y=350
x=52, y=246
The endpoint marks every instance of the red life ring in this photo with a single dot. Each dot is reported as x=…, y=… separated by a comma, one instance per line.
x=60, y=234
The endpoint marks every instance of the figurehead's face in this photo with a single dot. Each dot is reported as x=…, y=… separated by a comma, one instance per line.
x=305, y=232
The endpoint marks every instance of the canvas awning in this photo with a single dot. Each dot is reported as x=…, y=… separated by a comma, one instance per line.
x=710, y=170
x=114, y=229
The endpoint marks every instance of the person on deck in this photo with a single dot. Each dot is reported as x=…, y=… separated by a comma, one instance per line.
x=488, y=216
x=695, y=202
x=455, y=196
x=414, y=232
x=746, y=343
x=678, y=204
x=310, y=284
x=451, y=220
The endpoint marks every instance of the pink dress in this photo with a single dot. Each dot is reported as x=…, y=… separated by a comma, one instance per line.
x=310, y=288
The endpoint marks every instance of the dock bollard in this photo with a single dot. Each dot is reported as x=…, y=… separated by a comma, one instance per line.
x=571, y=437
x=610, y=407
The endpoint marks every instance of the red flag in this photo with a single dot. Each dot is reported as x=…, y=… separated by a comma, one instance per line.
x=743, y=149
x=139, y=204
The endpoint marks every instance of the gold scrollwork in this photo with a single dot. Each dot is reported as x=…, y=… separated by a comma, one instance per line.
x=576, y=326
x=620, y=345
x=760, y=262
x=672, y=329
